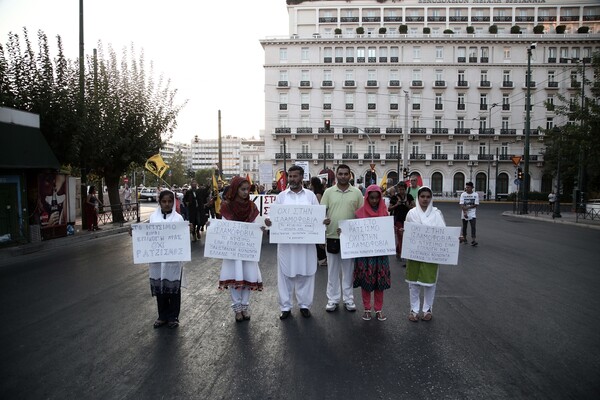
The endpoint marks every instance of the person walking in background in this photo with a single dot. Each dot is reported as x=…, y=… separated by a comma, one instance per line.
x=342, y=201
x=414, y=187
x=195, y=201
x=296, y=263
x=167, y=278
x=92, y=207
x=317, y=187
x=127, y=197
x=404, y=203
x=421, y=274
x=372, y=274
x=469, y=200
x=240, y=277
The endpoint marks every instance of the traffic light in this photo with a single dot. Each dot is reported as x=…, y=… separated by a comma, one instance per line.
x=405, y=173
x=520, y=173
x=327, y=125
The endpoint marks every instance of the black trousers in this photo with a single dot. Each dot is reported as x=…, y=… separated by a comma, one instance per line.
x=473, y=222
x=168, y=306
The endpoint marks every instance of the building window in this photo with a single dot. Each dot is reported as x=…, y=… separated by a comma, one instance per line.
x=283, y=76
x=437, y=123
x=460, y=122
x=305, y=75
x=416, y=101
x=482, y=149
x=371, y=75
x=371, y=147
x=505, y=123
x=439, y=105
x=439, y=75
x=460, y=148
x=304, y=101
x=461, y=75
x=439, y=53
x=305, y=147
x=549, y=123
x=416, y=53
x=506, y=53
x=305, y=54
x=458, y=183
x=349, y=147
x=415, y=148
x=416, y=122
x=283, y=55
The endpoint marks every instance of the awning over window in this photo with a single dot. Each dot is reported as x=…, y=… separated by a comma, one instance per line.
x=24, y=147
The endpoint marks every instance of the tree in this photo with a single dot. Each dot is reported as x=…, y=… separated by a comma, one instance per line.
x=178, y=169
x=204, y=176
x=576, y=141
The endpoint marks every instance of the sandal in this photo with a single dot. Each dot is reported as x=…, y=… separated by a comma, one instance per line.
x=173, y=324
x=239, y=317
x=367, y=315
x=380, y=316
x=413, y=316
x=246, y=315
x=158, y=323
x=427, y=316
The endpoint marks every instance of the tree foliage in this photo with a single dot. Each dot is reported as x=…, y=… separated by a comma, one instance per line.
x=125, y=118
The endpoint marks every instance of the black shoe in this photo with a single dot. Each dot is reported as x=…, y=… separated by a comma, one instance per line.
x=474, y=243
x=305, y=312
x=284, y=314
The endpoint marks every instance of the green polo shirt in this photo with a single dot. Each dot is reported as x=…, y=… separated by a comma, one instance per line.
x=340, y=205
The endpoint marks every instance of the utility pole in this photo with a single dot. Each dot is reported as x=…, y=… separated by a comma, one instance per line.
x=220, y=147
x=489, y=155
x=80, y=146
x=405, y=134
x=527, y=132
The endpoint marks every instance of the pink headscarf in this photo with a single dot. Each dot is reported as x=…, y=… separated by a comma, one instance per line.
x=366, y=211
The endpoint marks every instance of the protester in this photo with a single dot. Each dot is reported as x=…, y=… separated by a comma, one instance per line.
x=296, y=263
x=414, y=187
x=196, y=200
x=92, y=207
x=127, y=197
x=342, y=201
x=167, y=278
x=240, y=277
x=317, y=187
x=468, y=202
x=404, y=202
x=421, y=274
x=274, y=189
x=372, y=274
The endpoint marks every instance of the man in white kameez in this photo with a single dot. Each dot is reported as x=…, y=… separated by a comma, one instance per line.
x=296, y=263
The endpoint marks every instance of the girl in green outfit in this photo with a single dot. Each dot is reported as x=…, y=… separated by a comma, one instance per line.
x=421, y=274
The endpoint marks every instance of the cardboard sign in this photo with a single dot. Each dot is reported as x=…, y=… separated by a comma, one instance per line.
x=297, y=223
x=233, y=240
x=161, y=242
x=432, y=244
x=367, y=237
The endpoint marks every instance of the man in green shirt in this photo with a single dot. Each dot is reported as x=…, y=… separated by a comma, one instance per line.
x=342, y=201
x=414, y=187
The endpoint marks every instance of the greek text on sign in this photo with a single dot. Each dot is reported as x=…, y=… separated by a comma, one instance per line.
x=161, y=242
x=297, y=223
x=367, y=237
x=233, y=240
x=432, y=244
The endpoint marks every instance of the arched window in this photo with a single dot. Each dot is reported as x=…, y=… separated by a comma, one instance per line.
x=480, y=182
x=458, y=182
x=393, y=176
x=370, y=178
x=502, y=184
x=436, y=183
x=546, y=183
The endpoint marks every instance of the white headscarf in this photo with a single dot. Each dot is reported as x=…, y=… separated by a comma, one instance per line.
x=159, y=216
x=430, y=217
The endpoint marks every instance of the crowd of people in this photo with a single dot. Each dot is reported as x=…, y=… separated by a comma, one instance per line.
x=297, y=264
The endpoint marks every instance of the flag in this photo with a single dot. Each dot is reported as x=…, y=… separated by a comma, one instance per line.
x=383, y=184
x=156, y=165
x=215, y=188
x=281, y=181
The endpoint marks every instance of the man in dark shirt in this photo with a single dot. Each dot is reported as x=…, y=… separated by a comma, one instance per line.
x=195, y=200
x=404, y=203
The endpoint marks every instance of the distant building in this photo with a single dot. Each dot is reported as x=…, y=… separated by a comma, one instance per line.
x=205, y=154
x=170, y=148
x=252, y=153
x=454, y=66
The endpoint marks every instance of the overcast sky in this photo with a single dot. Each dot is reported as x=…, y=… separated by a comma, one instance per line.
x=210, y=50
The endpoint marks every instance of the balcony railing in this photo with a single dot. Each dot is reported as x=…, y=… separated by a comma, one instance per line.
x=394, y=83
x=551, y=60
x=508, y=131
x=349, y=59
x=339, y=60
x=349, y=83
x=283, y=130
x=472, y=59
x=326, y=106
x=418, y=130
x=369, y=156
x=394, y=106
x=436, y=18
x=283, y=84
x=439, y=106
x=349, y=130
x=349, y=19
x=507, y=84
x=462, y=59
x=417, y=156
x=504, y=157
x=349, y=106
x=460, y=106
x=553, y=85
x=415, y=19
x=372, y=130
x=461, y=156
x=327, y=19
x=350, y=156
x=305, y=84
x=462, y=131
x=327, y=83
x=443, y=131
x=485, y=84
x=304, y=130
x=505, y=107
x=439, y=156
x=322, y=130
x=484, y=59
x=462, y=83
x=371, y=106
x=393, y=130
x=486, y=131
x=329, y=156
x=304, y=156
x=283, y=106
x=439, y=84
x=372, y=83
x=416, y=83
x=485, y=157
x=280, y=156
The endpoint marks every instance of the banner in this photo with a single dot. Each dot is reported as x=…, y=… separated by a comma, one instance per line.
x=161, y=242
x=156, y=165
x=233, y=240
x=263, y=202
x=367, y=237
x=297, y=223
x=432, y=244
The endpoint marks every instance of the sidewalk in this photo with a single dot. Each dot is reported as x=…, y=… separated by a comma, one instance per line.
x=568, y=218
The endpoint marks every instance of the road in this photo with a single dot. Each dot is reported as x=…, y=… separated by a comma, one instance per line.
x=515, y=319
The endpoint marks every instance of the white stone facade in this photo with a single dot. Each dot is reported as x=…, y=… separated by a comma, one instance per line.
x=459, y=97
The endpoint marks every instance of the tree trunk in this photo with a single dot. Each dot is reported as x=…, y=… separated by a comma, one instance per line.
x=112, y=183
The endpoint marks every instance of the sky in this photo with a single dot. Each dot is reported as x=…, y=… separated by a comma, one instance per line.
x=209, y=50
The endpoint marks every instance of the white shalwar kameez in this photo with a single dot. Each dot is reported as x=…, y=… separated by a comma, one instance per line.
x=296, y=263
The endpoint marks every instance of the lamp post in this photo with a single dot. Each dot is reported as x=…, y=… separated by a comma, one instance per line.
x=556, y=211
x=489, y=155
x=370, y=152
x=527, y=131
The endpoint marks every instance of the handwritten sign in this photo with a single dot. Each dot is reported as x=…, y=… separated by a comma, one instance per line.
x=432, y=244
x=263, y=202
x=367, y=237
x=161, y=242
x=297, y=223
x=232, y=240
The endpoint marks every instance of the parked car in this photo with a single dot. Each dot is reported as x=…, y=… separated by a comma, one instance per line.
x=148, y=194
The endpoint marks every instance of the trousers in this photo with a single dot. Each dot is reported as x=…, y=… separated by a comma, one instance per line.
x=336, y=266
x=304, y=286
x=428, y=297
x=169, y=306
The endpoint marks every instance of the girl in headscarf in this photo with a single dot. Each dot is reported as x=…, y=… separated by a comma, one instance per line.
x=372, y=274
x=421, y=274
x=166, y=277
x=240, y=277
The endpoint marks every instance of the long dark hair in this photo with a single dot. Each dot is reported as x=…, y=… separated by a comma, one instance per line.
x=317, y=185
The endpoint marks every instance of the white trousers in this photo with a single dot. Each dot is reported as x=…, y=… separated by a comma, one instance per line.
x=303, y=285
x=240, y=299
x=428, y=296
x=335, y=265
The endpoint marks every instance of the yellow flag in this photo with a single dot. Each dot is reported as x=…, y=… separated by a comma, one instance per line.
x=216, y=193
x=156, y=165
x=383, y=183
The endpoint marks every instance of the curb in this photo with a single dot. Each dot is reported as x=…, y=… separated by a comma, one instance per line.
x=552, y=220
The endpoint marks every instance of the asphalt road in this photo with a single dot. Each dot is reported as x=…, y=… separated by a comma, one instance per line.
x=515, y=319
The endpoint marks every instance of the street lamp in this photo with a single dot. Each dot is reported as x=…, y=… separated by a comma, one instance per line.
x=556, y=211
x=489, y=155
x=527, y=130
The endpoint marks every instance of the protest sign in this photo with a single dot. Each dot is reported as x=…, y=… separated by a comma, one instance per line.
x=160, y=242
x=432, y=244
x=297, y=223
x=367, y=237
x=233, y=240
